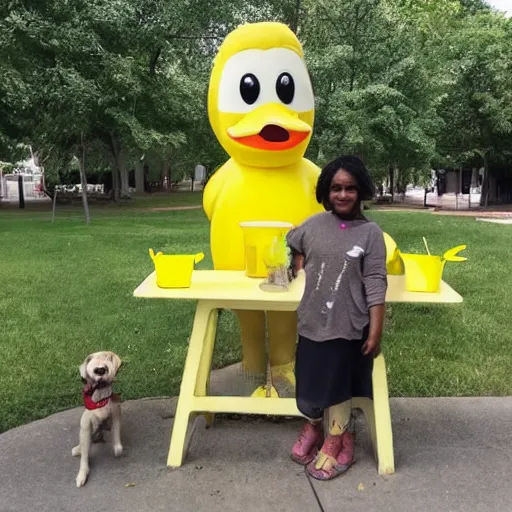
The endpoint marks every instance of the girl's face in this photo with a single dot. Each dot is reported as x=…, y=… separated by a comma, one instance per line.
x=343, y=195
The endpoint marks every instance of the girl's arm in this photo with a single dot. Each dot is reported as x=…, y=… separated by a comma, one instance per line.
x=372, y=344
x=375, y=284
x=296, y=264
x=295, y=241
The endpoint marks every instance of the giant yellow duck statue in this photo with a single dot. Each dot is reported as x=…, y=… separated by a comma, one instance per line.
x=261, y=109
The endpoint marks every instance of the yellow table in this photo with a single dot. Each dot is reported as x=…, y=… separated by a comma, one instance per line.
x=214, y=290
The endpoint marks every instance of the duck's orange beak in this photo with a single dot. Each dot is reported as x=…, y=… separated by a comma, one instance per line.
x=271, y=127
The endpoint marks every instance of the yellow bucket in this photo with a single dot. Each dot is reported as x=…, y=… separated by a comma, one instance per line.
x=174, y=270
x=423, y=272
x=258, y=236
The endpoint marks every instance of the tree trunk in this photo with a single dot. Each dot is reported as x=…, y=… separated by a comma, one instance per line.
x=153, y=61
x=54, y=205
x=139, y=177
x=484, y=197
x=83, y=182
x=115, y=183
x=21, y=191
x=36, y=155
x=115, y=170
x=398, y=183
x=124, y=184
x=124, y=191
x=296, y=17
x=391, y=174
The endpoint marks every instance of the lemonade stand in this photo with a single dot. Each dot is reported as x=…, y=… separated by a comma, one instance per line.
x=217, y=289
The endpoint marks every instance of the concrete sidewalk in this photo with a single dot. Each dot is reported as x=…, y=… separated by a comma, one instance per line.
x=452, y=454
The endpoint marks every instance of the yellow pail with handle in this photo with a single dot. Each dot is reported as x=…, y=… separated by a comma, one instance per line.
x=258, y=237
x=174, y=270
x=423, y=272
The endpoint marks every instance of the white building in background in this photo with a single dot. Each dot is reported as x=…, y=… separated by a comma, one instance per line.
x=199, y=173
x=33, y=182
x=3, y=186
x=454, y=189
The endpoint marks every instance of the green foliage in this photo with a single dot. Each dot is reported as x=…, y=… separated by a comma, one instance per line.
x=479, y=99
x=406, y=84
x=375, y=95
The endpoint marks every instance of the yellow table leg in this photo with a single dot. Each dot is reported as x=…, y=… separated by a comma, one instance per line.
x=204, y=372
x=383, y=431
x=382, y=413
x=366, y=405
x=205, y=365
x=378, y=418
x=195, y=377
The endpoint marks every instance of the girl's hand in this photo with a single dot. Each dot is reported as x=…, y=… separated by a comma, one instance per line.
x=371, y=346
x=298, y=262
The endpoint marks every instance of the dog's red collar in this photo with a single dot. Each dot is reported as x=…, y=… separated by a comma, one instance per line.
x=90, y=404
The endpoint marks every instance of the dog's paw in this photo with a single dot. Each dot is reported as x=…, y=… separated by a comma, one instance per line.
x=76, y=451
x=118, y=449
x=81, y=478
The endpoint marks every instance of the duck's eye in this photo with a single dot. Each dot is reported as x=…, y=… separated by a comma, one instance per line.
x=252, y=78
x=285, y=88
x=249, y=88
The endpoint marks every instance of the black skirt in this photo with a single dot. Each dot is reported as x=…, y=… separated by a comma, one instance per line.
x=331, y=372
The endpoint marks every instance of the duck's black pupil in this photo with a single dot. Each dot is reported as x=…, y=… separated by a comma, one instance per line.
x=285, y=88
x=249, y=88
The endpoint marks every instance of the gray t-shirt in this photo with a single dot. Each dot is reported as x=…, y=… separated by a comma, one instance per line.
x=345, y=265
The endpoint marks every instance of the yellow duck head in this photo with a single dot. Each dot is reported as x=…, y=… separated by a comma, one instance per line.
x=260, y=98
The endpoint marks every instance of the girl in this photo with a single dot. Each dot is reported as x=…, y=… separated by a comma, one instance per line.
x=341, y=315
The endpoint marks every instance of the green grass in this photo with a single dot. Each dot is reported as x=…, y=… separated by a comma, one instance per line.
x=174, y=199
x=144, y=202
x=453, y=350
x=66, y=290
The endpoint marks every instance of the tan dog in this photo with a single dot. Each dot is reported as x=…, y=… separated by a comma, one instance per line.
x=101, y=405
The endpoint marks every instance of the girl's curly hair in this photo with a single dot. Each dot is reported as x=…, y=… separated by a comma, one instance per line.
x=356, y=168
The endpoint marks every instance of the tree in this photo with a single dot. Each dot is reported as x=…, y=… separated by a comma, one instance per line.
x=403, y=83
x=117, y=69
x=478, y=103
x=375, y=97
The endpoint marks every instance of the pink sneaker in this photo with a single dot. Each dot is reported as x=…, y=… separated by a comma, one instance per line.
x=346, y=457
x=306, y=447
x=336, y=455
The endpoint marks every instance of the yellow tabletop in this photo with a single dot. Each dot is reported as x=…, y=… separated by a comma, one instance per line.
x=226, y=286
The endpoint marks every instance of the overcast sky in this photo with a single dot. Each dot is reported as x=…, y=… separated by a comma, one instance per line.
x=502, y=5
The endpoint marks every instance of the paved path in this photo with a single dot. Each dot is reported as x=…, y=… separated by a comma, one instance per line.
x=452, y=454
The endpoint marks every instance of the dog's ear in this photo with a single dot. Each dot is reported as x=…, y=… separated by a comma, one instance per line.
x=116, y=361
x=83, y=368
